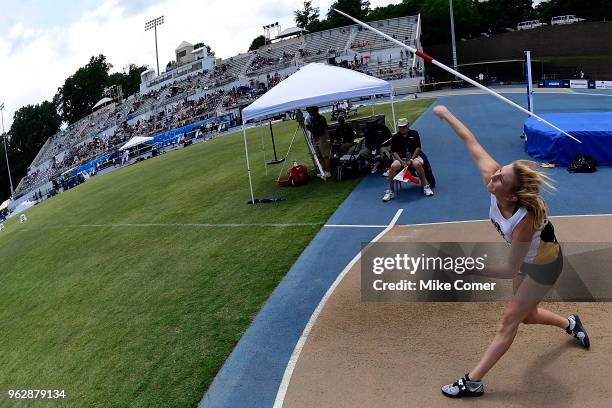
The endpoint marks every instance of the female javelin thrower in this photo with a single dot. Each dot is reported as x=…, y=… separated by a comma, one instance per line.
x=519, y=214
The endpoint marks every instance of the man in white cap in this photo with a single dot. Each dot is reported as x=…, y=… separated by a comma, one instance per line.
x=406, y=150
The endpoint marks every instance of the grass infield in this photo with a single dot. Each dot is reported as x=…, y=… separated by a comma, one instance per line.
x=127, y=315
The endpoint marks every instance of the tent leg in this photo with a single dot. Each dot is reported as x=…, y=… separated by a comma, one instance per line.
x=287, y=155
x=263, y=148
x=393, y=113
x=246, y=154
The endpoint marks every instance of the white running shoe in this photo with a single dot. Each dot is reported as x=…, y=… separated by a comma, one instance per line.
x=386, y=173
x=327, y=174
x=576, y=329
x=463, y=387
x=374, y=168
x=427, y=190
x=389, y=195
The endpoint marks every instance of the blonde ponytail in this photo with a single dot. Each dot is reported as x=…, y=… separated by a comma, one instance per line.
x=529, y=183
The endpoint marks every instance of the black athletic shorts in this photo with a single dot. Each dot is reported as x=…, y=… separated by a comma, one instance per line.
x=544, y=274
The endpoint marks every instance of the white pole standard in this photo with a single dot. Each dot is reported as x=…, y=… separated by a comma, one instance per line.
x=452, y=23
x=529, y=81
x=246, y=153
x=393, y=113
x=429, y=59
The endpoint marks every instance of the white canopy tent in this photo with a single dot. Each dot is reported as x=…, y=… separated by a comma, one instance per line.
x=313, y=85
x=135, y=141
x=5, y=205
x=101, y=102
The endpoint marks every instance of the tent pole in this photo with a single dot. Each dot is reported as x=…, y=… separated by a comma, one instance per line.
x=393, y=112
x=263, y=147
x=246, y=154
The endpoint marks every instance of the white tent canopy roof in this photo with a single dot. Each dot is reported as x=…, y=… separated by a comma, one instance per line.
x=5, y=204
x=101, y=102
x=291, y=31
x=135, y=141
x=315, y=84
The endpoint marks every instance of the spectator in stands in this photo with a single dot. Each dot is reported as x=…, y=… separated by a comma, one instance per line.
x=317, y=126
x=345, y=136
x=406, y=150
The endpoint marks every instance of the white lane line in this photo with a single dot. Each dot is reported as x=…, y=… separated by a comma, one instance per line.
x=440, y=223
x=590, y=93
x=354, y=226
x=487, y=220
x=204, y=225
x=288, y=225
x=284, y=385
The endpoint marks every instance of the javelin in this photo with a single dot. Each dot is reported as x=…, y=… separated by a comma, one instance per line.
x=452, y=71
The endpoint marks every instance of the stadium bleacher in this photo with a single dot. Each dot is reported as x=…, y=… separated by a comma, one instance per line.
x=232, y=83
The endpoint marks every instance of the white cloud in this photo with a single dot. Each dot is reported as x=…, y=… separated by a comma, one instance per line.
x=35, y=61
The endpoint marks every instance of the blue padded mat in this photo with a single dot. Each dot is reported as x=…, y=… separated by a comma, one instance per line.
x=546, y=144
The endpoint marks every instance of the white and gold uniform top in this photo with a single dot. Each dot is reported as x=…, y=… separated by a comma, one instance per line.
x=544, y=247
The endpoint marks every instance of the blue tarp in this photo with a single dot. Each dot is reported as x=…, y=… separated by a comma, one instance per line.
x=90, y=165
x=546, y=144
x=166, y=136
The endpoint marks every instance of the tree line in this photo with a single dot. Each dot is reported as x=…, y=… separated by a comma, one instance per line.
x=34, y=124
x=472, y=17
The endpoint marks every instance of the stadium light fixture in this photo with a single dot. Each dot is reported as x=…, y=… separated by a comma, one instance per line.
x=8, y=167
x=153, y=25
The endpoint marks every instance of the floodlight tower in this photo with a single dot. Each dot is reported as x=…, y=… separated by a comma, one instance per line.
x=269, y=29
x=8, y=167
x=153, y=25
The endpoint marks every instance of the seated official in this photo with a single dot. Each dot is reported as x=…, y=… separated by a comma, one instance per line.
x=345, y=136
x=376, y=134
x=406, y=150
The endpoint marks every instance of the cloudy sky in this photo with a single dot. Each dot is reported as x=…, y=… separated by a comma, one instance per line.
x=43, y=42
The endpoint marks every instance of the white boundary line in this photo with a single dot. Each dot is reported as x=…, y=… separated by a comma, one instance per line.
x=355, y=226
x=284, y=385
x=486, y=219
x=229, y=225
x=305, y=224
x=590, y=94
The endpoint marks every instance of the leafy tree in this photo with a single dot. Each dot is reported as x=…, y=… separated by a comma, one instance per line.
x=594, y=10
x=5, y=186
x=308, y=17
x=32, y=126
x=496, y=14
x=129, y=79
x=356, y=8
x=405, y=8
x=201, y=44
x=435, y=18
x=257, y=42
x=82, y=89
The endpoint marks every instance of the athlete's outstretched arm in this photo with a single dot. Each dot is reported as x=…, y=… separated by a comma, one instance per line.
x=481, y=158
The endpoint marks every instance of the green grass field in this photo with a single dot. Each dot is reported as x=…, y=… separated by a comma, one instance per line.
x=145, y=315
